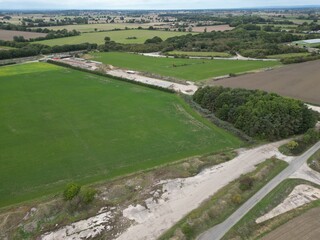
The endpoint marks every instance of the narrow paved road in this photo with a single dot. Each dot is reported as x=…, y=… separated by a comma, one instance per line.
x=220, y=230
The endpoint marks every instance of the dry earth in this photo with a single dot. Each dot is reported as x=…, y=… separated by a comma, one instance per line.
x=180, y=196
x=171, y=199
x=301, y=195
x=221, y=28
x=8, y=35
x=304, y=227
x=301, y=81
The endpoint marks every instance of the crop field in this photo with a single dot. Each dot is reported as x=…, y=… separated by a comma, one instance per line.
x=59, y=125
x=7, y=35
x=200, y=54
x=117, y=36
x=299, y=81
x=187, y=69
x=99, y=27
x=307, y=224
x=221, y=28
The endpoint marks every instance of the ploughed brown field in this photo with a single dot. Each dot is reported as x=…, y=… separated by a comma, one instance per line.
x=8, y=35
x=221, y=28
x=300, y=81
x=306, y=226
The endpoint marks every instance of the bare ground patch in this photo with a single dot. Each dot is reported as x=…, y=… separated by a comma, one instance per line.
x=221, y=28
x=306, y=226
x=299, y=81
x=8, y=35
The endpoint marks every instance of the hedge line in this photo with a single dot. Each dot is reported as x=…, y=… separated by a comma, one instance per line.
x=110, y=76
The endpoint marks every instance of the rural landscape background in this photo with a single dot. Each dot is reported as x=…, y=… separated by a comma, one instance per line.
x=122, y=120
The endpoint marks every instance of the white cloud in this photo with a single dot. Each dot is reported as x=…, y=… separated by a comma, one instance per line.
x=146, y=4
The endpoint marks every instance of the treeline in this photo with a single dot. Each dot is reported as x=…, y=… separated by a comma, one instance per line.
x=36, y=49
x=258, y=44
x=257, y=113
x=300, y=59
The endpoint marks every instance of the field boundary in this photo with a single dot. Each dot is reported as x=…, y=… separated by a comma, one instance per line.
x=110, y=76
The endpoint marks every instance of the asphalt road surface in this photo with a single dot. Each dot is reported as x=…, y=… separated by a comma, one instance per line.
x=218, y=231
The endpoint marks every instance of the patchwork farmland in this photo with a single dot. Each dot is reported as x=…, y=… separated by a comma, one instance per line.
x=299, y=81
x=60, y=125
x=187, y=69
x=7, y=35
x=124, y=36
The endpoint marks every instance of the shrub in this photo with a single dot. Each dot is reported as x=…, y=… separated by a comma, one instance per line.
x=71, y=191
x=87, y=195
x=236, y=199
x=292, y=145
x=246, y=183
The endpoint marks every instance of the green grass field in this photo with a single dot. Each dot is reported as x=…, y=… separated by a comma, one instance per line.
x=117, y=36
x=188, y=69
x=200, y=54
x=59, y=125
x=99, y=27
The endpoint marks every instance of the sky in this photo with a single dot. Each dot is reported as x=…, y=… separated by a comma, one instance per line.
x=149, y=4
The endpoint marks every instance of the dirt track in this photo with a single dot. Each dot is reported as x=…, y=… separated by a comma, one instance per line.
x=306, y=226
x=301, y=81
x=221, y=28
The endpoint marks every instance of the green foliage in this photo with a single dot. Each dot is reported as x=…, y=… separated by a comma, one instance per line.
x=257, y=113
x=71, y=191
x=153, y=40
x=292, y=145
x=87, y=195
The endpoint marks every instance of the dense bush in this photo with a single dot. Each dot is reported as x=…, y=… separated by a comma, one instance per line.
x=257, y=113
x=87, y=195
x=71, y=191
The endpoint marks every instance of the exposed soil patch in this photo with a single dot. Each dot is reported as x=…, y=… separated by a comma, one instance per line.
x=8, y=35
x=299, y=81
x=221, y=28
x=306, y=226
x=301, y=195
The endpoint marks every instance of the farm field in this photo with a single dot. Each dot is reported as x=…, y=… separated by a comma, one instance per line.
x=60, y=125
x=99, y=27
x=299, y=81
x=187, y=69
x=221, y=28
x=200, y=54
x=307, y=224
x=7, y=35
x=117, y=36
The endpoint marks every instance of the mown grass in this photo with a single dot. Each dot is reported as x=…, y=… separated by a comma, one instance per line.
x=247, y=228
x=117, y=36
x=222, y=204
x=59, y=125
x=199, y=54
x=187, y=69
x=99, y=27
